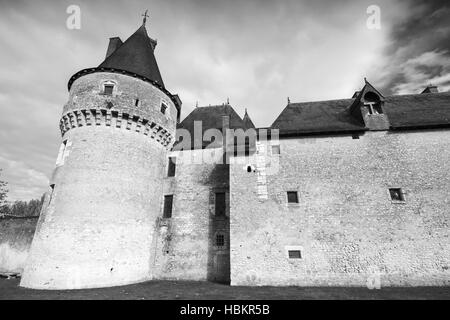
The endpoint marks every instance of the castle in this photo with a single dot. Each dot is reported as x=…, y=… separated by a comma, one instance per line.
x=334, y=193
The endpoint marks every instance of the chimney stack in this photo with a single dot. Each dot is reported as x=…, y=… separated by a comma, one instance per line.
x=114, y=44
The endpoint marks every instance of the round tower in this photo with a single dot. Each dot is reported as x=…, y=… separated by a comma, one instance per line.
x=105, y=196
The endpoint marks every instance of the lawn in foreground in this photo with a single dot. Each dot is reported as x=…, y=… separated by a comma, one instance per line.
x=9, y=289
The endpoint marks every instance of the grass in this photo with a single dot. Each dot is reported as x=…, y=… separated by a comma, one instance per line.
x=192, y=290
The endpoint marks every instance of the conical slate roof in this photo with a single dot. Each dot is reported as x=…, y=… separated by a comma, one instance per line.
x=135, y=55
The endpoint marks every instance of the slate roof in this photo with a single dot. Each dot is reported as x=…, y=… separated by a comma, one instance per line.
x=211, y=117
x=318, y=117
x=418, y=110
x=334, y=116
x=135, y=55
x=248, y=123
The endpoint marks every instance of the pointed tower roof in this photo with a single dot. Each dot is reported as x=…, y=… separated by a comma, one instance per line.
x=135, y=55
x=134, y=58
x=248, y=123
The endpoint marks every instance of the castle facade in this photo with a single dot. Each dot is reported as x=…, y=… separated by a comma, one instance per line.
x=335, y=193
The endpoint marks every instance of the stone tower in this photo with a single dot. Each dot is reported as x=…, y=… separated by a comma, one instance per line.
x=105, y=198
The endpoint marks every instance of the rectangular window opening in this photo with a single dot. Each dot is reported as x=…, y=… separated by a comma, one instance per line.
x=108, y=89
x=168, y=201
x=295, y=254
x=172, y=167
x=163, y=107
x=396, y=194
x=136, y=103
x=220, y=240
x=292, y=196
x=276, y=149
x=377, y=108
x=220, y=204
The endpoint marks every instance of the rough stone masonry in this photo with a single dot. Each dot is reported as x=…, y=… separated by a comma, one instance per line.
x=342, y=192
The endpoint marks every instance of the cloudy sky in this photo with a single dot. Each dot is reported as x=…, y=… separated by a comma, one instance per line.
x=257, y=53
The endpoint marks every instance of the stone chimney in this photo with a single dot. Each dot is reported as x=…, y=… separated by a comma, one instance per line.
x=431, y=89
x=114, y=44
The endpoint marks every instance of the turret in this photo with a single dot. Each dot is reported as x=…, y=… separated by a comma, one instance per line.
x=105, y=196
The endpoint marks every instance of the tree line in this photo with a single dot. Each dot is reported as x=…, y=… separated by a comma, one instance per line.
x=18, y=208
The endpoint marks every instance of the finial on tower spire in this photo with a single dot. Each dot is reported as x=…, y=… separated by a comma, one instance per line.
x=145, y=17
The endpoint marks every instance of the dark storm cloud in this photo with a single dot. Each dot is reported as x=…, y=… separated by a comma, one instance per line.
x=419, y=50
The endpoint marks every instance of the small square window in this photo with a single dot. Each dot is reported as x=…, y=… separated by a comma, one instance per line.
x=355, y=136
x=396, y=194
x=108, y=89
x=276, y=149
x=295, y=254
x=220, y=240
x=292, y=196
x=168, y=201
x=163, y=107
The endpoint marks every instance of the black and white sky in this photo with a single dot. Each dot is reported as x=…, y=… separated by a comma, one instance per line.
x=255, y=52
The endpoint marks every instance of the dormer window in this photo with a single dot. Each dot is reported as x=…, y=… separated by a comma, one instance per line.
x=373, y=103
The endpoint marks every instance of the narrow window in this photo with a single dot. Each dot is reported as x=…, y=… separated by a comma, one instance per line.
x=163, y=107
x=108, y=89
x=168, y=200
x=172, y=167
x=136, y=102
x=220, y=240
x=275, y=149
x=52, y=187
x=220, y=204
x=292, y=196
x=62, y=150
x=295, y=254
x=396, y=194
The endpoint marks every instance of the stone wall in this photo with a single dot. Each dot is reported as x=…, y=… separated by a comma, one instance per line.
x=15, y=240
x=345, y=224
x=186, y=248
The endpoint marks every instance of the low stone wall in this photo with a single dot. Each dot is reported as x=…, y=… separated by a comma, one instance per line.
x=16, y=235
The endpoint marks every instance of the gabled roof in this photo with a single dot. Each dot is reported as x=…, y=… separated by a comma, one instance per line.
x=135, y=55
x=248, y=123
x=211, y=117
x=334, y=116
x=318, y=117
